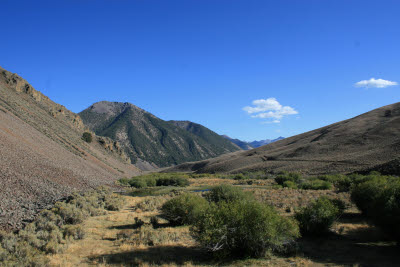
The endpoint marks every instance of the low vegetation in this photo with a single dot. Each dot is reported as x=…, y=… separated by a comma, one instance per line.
x=378, y=198
x=232, y=222
x=318, y=217
x=87, y=137
x=226, y=219
x=51, y=231
x=157, y=179
x=184, y=209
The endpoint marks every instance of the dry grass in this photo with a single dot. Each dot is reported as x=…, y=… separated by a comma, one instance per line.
x=285, y=199
x=116, y=240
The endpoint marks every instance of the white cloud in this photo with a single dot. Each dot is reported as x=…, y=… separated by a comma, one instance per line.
x=269, y=108
x=377, y=83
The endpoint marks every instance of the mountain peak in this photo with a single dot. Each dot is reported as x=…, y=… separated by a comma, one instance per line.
x=112, y=108
x=147, y=138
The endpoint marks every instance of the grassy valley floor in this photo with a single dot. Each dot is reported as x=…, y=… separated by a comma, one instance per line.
x=132, y=237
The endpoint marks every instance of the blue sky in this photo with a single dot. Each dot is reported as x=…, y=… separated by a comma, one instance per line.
x=207, y=60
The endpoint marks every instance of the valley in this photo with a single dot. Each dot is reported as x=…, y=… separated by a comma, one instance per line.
x=128, y=238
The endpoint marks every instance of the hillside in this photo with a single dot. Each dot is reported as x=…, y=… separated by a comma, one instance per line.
x=206, y=134
x=365, y=142
x=43, y=157
x=150, y=141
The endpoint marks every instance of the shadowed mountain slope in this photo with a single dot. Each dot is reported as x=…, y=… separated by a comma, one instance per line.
x=43, y=157
x=150, y=141
x=365, y=142
x=207, y=135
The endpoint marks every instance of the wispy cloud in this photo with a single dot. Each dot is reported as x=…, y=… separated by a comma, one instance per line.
x=374, y=83
x=269, y=109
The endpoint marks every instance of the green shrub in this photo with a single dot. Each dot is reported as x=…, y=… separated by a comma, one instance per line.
x=243, y=228
x=137, y=183
x=378, y=198
x=75, y=232
x=87, y=137
x=124, y=181
x=317, y=217
x=227, y=193
x=89, y=204
x=239, y=176
x=183, y=209
x=316, y=184
x=283, y=177
x=151, y=204
x=69, y=213
x=340, y=181
x=152, y=180
x=290, y=184
x=113, y=202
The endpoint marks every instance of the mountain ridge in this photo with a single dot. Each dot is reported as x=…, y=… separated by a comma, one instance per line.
x=151, y=140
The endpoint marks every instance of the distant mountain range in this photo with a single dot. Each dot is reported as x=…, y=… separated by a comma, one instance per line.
x=250, y=145
x=370, y=141
x=151, y=142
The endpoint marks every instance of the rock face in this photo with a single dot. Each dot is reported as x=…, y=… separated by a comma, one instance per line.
x=149, y=141
x=370, y=141
x=42, y=155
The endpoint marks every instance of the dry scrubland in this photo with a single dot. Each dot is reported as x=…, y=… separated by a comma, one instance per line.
x=137, y=235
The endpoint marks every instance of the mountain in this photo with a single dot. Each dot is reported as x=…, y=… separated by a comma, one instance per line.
x=250, y=145
x=242, y=144
x=256, y=144
x=370, y=141
x=150, y=141
x=206, y=134
x=43, y=156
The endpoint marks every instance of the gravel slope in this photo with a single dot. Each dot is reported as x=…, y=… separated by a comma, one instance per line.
x=42, y=156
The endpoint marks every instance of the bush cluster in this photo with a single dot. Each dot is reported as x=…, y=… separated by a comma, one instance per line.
x=157, y=179
x=227, y=193
x=243, y=228
x=295, y=181
x=87, y=137
x=378, y=198
x=252, y=175
x=318, y=216
x=316, y=184
x=231, y=222
x=183, y=209
x=50, y=231
x=283, y=177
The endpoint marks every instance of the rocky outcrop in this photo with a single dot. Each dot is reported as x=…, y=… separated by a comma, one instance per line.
x=20, y=85
x=113, y=147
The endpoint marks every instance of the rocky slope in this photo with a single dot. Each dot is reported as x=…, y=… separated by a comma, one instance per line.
x=367, y=142
x=43, y=157
x=150, y=141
